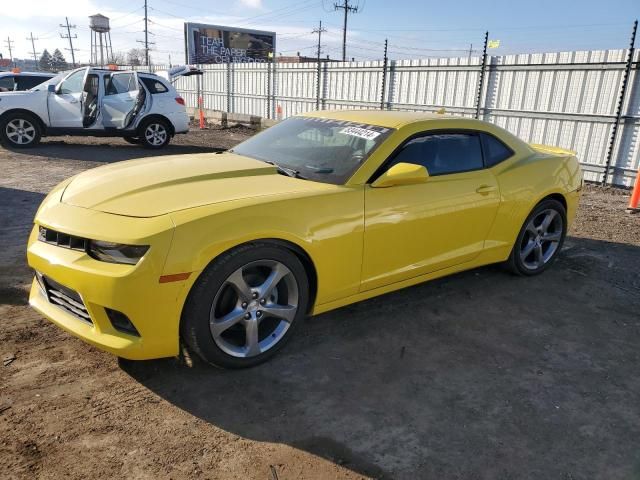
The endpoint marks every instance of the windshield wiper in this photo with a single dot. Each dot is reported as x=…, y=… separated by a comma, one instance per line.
x=289, y=172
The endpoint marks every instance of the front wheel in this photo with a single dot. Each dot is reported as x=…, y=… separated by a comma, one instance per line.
x=154, y=134
x=19, y=130
x=246, y=305
x=540, y=239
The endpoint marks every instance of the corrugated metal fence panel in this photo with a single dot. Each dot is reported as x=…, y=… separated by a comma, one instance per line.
x=566, y=99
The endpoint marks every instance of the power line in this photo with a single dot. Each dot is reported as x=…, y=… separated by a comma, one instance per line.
x=347, y=9
x=68, y=35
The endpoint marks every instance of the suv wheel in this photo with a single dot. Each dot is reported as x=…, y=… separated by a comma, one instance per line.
x=154, y=134
x=19, y=130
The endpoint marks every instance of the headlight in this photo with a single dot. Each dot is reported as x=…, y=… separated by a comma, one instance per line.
x=116, y=252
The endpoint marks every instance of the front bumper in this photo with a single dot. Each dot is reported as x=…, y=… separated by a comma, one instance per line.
x=154, y=308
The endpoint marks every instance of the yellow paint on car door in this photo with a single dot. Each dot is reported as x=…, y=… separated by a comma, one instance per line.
x=411, y=230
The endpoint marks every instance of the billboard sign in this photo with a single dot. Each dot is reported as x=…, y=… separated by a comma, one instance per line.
x=205, y=44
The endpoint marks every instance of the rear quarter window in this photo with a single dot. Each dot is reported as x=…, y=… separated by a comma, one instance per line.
x=25, y=82
x=154, y=85
x=494, y=150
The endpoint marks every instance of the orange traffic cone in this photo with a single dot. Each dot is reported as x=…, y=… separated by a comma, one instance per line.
x=635, y=195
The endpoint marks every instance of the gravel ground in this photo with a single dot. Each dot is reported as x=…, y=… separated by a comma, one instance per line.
x=480, y=375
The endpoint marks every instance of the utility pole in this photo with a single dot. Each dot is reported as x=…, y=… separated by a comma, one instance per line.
x=319, y=31
x=470, y=52
x=347, y=9
x=68, y=35
x=146, y=34
x=9, y=43
x=33, y=47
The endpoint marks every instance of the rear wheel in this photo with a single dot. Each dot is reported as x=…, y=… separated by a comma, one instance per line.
x=154, y=134
x=540, y=239
x=246, y=305
x=19, y=130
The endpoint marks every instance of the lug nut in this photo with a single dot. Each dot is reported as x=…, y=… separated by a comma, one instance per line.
x=255, y=295
x=244, y=304
x=263, y=301
x=247, y=316
x=258, y=314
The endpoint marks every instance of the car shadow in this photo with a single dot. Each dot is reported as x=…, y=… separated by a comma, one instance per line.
x=107, y=150
x=477, y=375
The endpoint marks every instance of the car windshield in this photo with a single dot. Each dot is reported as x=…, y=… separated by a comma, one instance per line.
x=318, y=149
x=53, y=81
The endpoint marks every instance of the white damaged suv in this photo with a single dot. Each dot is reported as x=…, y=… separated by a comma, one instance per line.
x=142, y=108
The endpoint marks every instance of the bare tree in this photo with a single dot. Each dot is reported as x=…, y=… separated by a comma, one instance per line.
x=118, y=58
x=136, y=56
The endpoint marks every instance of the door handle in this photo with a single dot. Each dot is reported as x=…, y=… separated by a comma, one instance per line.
x=129, y=100
x=485, y=189
x=73, y=101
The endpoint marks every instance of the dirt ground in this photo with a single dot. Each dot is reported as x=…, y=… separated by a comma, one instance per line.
x=481, y=375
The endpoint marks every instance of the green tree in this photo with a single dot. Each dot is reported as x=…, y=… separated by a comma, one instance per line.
x=45, y=61
x=58, y=62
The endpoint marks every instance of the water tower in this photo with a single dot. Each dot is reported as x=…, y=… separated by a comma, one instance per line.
x=100, y=39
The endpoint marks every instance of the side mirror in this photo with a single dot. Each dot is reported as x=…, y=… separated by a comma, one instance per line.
x=402, y=174
x=51, y=88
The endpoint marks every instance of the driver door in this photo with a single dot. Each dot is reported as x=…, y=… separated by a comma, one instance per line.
x=119, y=100
x=65, y=104
x=412, y=230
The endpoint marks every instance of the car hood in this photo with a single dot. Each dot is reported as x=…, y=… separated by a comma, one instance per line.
x=160, y=185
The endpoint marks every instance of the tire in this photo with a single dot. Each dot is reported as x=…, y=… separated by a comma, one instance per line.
x=20, y=130
x=540, y=239
x=230, y=329
x=132, y=140
x=154, y=134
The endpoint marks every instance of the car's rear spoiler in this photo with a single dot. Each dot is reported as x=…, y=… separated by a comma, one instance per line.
x=179, y=71
x=551, y=150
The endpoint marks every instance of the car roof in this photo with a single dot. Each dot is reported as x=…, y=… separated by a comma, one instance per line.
x=382, y=118
x=35, y=74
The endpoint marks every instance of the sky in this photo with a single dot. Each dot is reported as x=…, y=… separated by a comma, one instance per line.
x=415, y=28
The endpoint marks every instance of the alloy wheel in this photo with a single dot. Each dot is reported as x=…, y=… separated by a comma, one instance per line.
x=156, y=134
x=20, y=131
x=254, y=308
x=541, y=239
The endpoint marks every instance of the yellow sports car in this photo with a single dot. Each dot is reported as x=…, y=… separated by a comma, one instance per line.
x=229, y=252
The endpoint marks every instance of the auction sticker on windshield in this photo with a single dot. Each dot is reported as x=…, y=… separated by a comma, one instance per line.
x=360, y=132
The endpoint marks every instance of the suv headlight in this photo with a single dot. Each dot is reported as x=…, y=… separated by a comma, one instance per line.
x=116, y=252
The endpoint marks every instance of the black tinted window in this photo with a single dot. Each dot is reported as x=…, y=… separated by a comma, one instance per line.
x=25, y=82
x=443, y=153
x=6, y=83
x=494, y=150
x=153, y=85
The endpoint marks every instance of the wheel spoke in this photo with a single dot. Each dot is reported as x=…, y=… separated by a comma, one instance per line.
x=251, y=344
x=218, y=326
x=550, y=216
x=284, y=312
x=237, y=281
x=526, y=251
x=538, y=255
x=551, y=237
x=278, y=272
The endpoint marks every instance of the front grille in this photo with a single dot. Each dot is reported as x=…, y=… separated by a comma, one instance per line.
x=64, y=297
x=60, y=239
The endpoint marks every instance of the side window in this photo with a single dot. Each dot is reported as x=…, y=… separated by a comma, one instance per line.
x=443, y=153
x=494, y=150
x=73, y=83
x=25, y=82
x=6, y=83
x=120, y=83
x=153, y=85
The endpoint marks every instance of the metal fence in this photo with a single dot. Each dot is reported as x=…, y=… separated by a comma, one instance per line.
x=567, y=99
